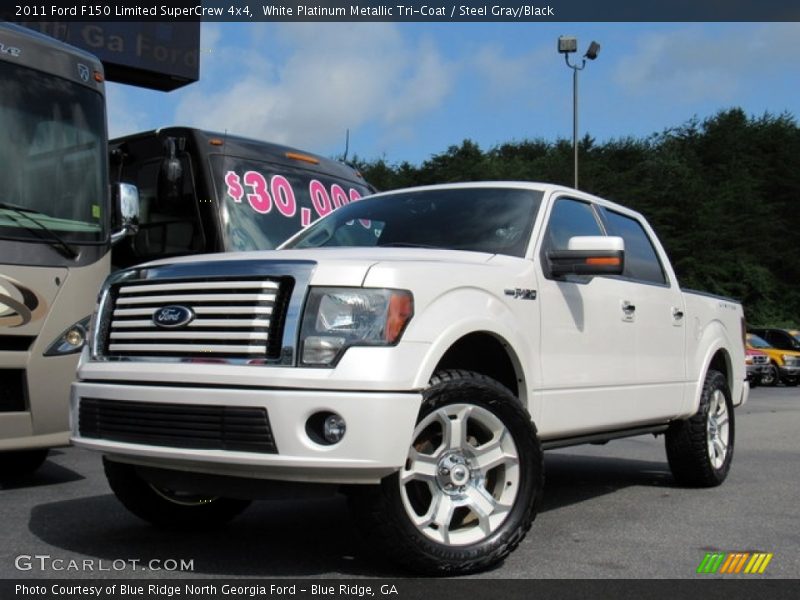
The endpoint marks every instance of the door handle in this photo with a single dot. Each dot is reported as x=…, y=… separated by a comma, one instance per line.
x=628, y=311
x=677, y=313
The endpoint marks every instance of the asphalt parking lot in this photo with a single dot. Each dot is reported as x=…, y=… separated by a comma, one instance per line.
x=609, y=511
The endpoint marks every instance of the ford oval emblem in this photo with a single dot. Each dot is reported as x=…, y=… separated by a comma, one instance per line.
x=173, y=316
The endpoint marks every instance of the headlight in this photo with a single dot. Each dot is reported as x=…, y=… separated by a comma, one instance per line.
x=337, y=318
x=789, y=359
x=748, y=360
x=71, y=340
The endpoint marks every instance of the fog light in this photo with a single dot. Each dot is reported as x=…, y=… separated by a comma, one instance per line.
x=333, y=428
x=325, y=428
x=71, y=340
x=75, y=337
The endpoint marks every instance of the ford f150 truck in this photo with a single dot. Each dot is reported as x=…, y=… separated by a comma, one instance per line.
x=417, y=350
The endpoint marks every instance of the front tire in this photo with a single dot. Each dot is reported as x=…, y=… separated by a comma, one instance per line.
x=468, y=492
x=769, y=378
x=166, y=508
x=700, y=449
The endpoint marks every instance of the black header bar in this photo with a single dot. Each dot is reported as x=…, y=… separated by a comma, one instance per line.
x=401, y=11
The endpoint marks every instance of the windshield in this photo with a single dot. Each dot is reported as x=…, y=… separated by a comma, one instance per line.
x=52, y=158
x=265, y=203
x=496, y=220
x=757, y=342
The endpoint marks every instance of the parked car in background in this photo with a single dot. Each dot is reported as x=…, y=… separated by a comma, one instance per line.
x=758, y=365
x=782, y=339
x=784, y=364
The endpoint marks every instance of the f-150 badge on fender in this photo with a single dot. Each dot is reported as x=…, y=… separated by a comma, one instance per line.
x=521, y=293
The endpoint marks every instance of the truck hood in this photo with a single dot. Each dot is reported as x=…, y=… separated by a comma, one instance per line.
x=347, y=266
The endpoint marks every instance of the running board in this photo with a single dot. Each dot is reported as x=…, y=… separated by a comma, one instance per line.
x=599, y=438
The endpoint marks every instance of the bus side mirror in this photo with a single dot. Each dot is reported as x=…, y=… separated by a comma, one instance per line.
x=127, y=196
x=170, y=173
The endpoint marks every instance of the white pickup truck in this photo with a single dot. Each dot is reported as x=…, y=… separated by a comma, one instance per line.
x=417, y=350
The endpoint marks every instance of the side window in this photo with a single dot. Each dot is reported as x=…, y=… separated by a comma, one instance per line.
x=641, y=259
x=570, y=218
x=781, y=340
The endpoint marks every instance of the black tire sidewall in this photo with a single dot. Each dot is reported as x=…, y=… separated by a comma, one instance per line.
x=142, y=500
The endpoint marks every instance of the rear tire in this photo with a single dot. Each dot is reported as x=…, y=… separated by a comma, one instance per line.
x=468, y=492
x=700, y=449
x=165, y=508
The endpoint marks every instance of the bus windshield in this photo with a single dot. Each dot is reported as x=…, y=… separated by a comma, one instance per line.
x=52, y=158
x=265, y=203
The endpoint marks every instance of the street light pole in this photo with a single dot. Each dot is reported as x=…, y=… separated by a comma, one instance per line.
x=575, y=120
x=566, y=46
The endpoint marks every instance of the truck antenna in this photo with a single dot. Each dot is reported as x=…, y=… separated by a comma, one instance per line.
x=346, y=145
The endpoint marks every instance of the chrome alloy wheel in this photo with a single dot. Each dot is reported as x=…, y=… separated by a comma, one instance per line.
x=717, y=429
x=461, y=476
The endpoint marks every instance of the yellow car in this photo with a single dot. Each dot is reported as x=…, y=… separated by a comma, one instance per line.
x=784, y=364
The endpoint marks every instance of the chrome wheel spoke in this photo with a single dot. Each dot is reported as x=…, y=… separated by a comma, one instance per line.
x=455, y=428
x=480, y=502
x=443, y=509
x=494, y=454
x=720, y=447
x=422, y=467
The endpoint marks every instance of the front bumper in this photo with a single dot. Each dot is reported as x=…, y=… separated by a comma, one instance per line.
x=790, y=372
x=379, y=431
x=754, y=372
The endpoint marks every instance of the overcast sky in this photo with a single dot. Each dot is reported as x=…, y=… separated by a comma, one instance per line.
x=407, y=91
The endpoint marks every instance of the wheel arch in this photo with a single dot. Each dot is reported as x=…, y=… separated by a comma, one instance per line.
x=480, y=351
x=719, y=359
x=716, y=348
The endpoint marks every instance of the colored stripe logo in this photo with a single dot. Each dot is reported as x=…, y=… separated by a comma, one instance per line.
x=732, y=563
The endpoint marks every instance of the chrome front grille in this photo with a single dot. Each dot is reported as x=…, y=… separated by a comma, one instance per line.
x=760, y=359
x=231, y=318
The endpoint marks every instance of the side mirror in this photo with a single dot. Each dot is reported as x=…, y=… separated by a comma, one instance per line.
x=128, y=198
x=170, y=174
x=589, y=255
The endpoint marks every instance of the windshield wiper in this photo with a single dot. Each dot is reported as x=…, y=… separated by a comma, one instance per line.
x=56, y=241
